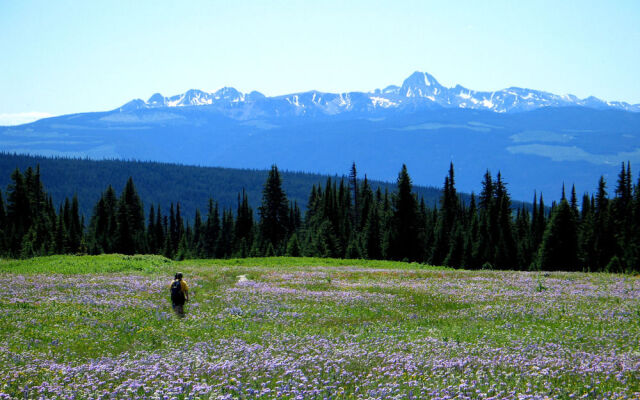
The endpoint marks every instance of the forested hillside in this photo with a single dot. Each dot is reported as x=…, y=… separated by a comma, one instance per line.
x=163, y=183
x=345, y=218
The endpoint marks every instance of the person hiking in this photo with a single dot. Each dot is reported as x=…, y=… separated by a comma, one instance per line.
x=179, y=294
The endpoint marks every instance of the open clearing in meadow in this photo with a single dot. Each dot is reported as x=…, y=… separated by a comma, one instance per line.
x=102, y=327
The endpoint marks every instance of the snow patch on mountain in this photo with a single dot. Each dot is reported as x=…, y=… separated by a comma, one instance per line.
x=419, y=90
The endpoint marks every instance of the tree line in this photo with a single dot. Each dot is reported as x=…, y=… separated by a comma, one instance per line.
x=163, y=183
x=344, y=218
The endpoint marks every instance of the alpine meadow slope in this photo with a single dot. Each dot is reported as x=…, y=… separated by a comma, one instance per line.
x=538, y=140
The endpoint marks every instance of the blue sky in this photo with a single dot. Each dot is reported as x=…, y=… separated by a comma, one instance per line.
x=74, y=56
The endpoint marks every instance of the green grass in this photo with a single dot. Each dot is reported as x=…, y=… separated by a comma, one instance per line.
x=106, y=263
x=118, y=263
x=353, y=318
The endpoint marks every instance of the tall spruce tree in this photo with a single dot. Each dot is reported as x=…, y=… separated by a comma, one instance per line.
x=243, y=229
x=152, y=245
x=448, y=245
x=18, y=212
x=212, y=230
x=505, y=247
x=353, y=187
x=225, y=242
x=604, y=241
x=3, y=227
x=274, y=212
x=559, y=247
x=372, y=235
x=130, y=220
x=406, y=235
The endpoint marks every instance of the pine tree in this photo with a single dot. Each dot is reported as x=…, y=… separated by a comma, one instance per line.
x=152, y=245
x=226, y=235
x=633, y=251
x=3, y=227
x=405, y=235
x=539, y=224
x=168, y=246
x=326, y=243
x=455, y=254
x=130, y=221
x=274, y=211
x=560, y=242
x=621, y=217
x=18, y=212
x=75, y=226
x=178, y=230
x=61, y=234
x=293, y=246
x=523, y=239
x=604, y=242
x=444, y=248
x=353, y=187
x=506, y=253
x=483, y=249
x=212, y=230
x=198, y=234
x=243, y=229
x=372, y=236
x=124, y=238
x=160, y=232
x=366, y=202
x=574, y=201
x=471, y=236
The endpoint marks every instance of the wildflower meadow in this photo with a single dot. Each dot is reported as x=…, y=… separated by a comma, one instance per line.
x=81, y=327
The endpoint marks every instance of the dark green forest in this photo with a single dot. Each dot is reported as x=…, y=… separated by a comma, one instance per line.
x=344, y=218
x=163, y=183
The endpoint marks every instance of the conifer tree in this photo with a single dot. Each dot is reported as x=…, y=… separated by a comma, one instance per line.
x=152, y=245
x=130, y=221
x=574, y=201
x=293, y=246
x=372, y=236
x=471, y=235
x=633, y=250
x=3, y=227
x=406, y=234
x=560, y=242
x=168, y=246
x=18, y=212
x=212, y=230
x=197, y=240
x=243, y=229
x=446, y=224
x=603, y=236
x=274, y=211
x=523, y=239
x=326, y=243
x=365, y=204
x=180, y=230
x=586, y=236
x=225, y=242
x=506, y=253
x=75, y=226
x=539, y=224
x=159, y=232
x=483, y=248
x=61, y=234
x=103, y=224
x=353, y=187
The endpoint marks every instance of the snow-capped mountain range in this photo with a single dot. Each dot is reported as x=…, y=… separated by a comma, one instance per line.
x=538, y=140
x=420, y=90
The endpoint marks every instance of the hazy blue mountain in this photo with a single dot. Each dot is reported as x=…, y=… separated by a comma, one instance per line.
x=538, y=140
